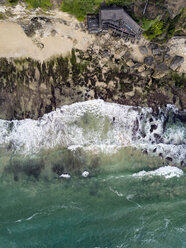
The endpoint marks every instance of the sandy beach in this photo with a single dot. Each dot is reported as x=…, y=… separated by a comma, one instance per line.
x=15, y=43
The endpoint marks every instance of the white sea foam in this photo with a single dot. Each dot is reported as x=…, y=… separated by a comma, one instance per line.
x=67, y=176
x=166, y=171
x=97, y=126
x=31, y=217
x=85, y=174
x=116, y=192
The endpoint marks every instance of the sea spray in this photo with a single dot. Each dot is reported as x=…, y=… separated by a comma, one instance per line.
x=111, y=207
x=95, y=125
x=166, y=171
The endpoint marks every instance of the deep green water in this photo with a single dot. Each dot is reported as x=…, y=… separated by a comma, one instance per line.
x=111, y=208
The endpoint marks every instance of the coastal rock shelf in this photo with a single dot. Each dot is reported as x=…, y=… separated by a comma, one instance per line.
x=48, y=59
x=30, y=88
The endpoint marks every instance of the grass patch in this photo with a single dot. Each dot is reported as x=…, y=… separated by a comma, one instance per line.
x=2, y=17
x=152, y=28
x=44, y=4
x=80, y=8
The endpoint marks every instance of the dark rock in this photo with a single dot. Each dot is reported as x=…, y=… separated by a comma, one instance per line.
x=160, y=70
x=143, y=134
x=153, y=127
x=161, y=155
x=127, y=55
x=35, y=24
x=182, y=163
x=158, y=58
x=58, y=169
x=135, y=127
x=181, y=115
x=16, y=178
x=145, y=152
x=154, y=9
x=158, y=138
x=143, y=50
x=167, y=56
x=106, y=53
x=149, y=60
x=33, y=169
x=156, y=51
x=40, y=19
x=169, y=158
x=164, y=49
x=176, y=62
x=161, y=67
x=154, y=150
x=152, y=46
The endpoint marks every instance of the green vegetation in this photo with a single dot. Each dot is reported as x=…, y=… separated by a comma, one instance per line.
x=62, y=68
x=77, y=68
x=2, y=16
x=165, y=27
x=172, y=23
x=159, y=30
x=79, y=8
x=152, y=28
x=44, y=4
x=179, y=79
x=13, y=1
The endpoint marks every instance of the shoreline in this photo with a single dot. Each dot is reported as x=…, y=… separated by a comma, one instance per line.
x=14, y=43
x=98, y=127
x=69, y=65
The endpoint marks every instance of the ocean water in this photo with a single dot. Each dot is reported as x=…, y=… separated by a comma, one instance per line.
x=134, y=196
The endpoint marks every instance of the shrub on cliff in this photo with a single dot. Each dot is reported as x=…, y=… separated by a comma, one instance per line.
x=152, y=28
x=44, y=4
x=13, y=1
x=79, y=8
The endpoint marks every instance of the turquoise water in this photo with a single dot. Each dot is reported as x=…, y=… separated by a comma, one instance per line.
x=111, y=208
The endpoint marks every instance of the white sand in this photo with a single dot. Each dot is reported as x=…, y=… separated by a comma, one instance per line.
x=15, y=43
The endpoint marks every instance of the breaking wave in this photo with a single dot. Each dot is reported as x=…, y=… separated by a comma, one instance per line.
x=166, y=171
x=97, y=125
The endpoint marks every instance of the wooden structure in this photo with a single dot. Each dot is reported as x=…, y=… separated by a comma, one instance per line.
x=114, y=18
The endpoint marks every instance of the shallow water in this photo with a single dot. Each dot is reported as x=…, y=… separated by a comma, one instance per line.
x=125, y=202
x=111, y=208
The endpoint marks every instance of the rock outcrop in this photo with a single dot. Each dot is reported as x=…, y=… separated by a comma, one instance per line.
x=176, y=62
x=29, y=88
x=111, y=68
